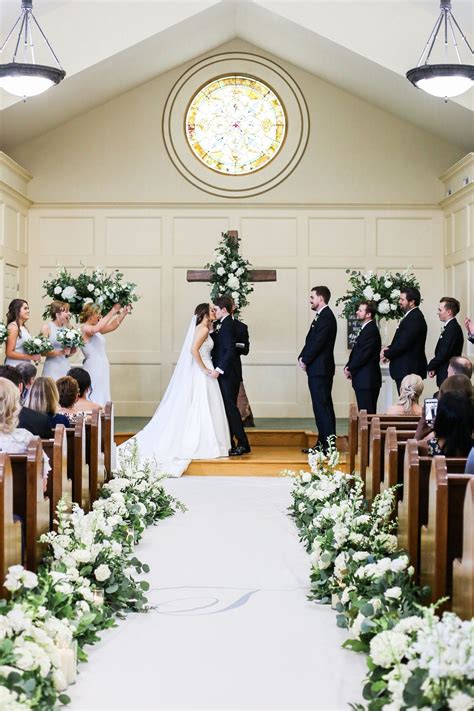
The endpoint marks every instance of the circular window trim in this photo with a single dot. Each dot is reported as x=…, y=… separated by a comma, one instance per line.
x=266, y=85
x=244, y=185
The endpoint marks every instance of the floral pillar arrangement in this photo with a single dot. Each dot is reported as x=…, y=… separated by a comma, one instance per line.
x=230, y=272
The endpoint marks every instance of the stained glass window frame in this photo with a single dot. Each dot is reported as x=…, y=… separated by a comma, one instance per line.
x=210, y=83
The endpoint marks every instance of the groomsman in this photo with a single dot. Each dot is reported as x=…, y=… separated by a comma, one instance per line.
x=363, y=366
x=451, y=341
x=317, y=359
x=406, y=352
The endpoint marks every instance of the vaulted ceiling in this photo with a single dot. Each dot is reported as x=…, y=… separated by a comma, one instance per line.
x=108, y=47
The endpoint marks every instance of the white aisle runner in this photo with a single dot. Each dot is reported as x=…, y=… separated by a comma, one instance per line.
x=232, y=628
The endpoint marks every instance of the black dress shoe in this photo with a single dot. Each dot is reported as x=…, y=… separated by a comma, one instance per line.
x=309, y=450
x=238, y=451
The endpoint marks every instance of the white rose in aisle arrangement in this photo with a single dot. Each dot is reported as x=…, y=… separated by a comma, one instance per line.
x=388, y=648
x=393, y=593
x=102, y=573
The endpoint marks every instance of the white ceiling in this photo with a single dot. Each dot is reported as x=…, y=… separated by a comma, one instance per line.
x=108, y=47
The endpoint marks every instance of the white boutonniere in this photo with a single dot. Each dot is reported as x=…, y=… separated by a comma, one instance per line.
x=217, y=328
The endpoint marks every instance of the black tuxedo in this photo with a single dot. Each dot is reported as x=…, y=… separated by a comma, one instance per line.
x=450, y=343
x=226, y=359
x=318, y=356
x=364, y=367
x=406, y=352
x=241, y=336
x=35, y=422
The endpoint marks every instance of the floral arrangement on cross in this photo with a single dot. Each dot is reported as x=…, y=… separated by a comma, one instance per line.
x=230, y=272
x=383, y=289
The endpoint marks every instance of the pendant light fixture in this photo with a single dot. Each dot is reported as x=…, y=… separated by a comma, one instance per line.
x=25, y=77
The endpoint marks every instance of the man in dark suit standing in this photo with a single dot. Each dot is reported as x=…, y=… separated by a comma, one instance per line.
x=451, y=340
x=406, y=352
x=317, y=359
x=227, y=363
x=363, y=366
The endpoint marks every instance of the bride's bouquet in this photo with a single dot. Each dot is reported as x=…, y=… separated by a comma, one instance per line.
x=69, y=338
x=3, y=333
x=38, y=345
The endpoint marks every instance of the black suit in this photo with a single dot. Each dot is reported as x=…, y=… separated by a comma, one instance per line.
x=364, y=367
x=406, y=352
x=450, y=343
x=225, y=358
x=241, y=332
x=35, y=422
x=318, y=356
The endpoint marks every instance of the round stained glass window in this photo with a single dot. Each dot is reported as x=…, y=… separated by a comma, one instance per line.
x=235, y=125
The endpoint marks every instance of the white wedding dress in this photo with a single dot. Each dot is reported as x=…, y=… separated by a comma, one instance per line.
x=190, y=422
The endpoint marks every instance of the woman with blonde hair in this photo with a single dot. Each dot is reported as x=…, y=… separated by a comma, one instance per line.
x=17, y=315
x=56, y=364
x=93, y=328
x=408, y=401
x=14, y=439
x=44, y=397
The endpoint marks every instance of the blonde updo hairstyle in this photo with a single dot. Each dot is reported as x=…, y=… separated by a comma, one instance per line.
x=411, y=388
x=56, y=307
x=9, y=406
x=88, y=311
x=44, y=396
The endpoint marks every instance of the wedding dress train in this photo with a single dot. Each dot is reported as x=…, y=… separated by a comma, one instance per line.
x=190, y=422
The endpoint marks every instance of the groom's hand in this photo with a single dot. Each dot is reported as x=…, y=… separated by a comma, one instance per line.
x=301, y=364
x=213, y=373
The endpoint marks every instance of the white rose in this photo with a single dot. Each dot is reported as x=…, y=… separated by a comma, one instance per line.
x=69, y=292
x=81, y=555
x=59, y=680
x=37, y=341
x=399, y=564
x=239, y=271
x=461, y=702
x=57, y=289
x=393, y=593
x=30, y=580
x=221, y=271
x=387, y=283
x=368, y=292
x=102, y=572
x=377, y=297
x=90, y=287
x=302, y=507
x=233, y=266
x=383, y=307
x=356, y=625
x=306, y=477
x=360, y=555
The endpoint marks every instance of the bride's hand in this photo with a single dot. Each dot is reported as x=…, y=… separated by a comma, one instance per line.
x=212, y=373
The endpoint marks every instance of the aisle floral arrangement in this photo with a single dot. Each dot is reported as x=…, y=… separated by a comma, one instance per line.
x=383, y=289
x=230, y=272
x=416, y=659
x=87, y=579
x=97, y=287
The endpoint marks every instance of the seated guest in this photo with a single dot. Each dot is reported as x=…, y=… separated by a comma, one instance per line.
x=35, y=422
x=68, y=390
x=28, y=373
x=460, y=365
x=470, y=462
x=44, y=397
x=470, y=329
x=452, y=429
x=84, y=382
x=14, y=439
x=411, y=388
x=453, y=384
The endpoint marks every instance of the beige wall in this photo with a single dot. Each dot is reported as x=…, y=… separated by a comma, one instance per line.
x=105, y=193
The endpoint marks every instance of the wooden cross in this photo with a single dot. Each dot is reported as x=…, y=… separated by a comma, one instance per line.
x=255, y=274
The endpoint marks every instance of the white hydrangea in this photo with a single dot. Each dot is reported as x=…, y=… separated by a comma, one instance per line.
x=368, y=292
x=69, y=292
x=460, y=701
x=388, y=648
x=221, y=271
x=383, y=307
x=395, y=293
x=234, y=266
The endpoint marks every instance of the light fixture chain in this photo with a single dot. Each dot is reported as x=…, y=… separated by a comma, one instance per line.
x=431, y=40
x=10, y=34
x=462, y=33
x=454, y=41
x=46, y=40
x=19, y=37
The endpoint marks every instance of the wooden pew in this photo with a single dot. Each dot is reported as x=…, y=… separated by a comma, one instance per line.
x=441, y=538
x=94, y=454
x=375, y=470
x=413, y=506
x=10, y=530
x=463, y=568
x=59, y=485
x=352, y=436
x=77, y=467
x=29, y=501
x=394, y=454
x=107, y=425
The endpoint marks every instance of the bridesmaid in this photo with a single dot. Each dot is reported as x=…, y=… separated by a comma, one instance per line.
x=18, y=314
x=95, y=357
x=56, y=364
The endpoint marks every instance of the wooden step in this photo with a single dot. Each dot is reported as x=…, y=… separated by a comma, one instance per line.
x=262, y=461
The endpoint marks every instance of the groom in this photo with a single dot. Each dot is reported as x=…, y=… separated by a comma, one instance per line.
x=227, y=363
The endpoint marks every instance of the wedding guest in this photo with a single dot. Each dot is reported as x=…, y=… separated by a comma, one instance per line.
x=83, y=379
x=68, y=391
x=460, y=365
x=406, y=353
x=15, y=439
x=44, y=397
x=450, y=341
x=411, y=388
x=17, y=315
x=453, y=426
x=56, y=363
x=93, y=328
x=363, y=366
x=28, y=374
x=35, y=422
x=317, y=360
x=470, y=462
x=453, y=384
x=470, y=329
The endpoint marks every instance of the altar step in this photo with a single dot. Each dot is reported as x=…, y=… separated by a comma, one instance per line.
x=272, y=452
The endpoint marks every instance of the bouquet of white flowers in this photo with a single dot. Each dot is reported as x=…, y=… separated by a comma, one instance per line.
x=69, y=338
x=38, y=345
x=383, y=289
x=3, y=333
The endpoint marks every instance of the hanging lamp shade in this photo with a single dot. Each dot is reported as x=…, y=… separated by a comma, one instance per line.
x=27, y=78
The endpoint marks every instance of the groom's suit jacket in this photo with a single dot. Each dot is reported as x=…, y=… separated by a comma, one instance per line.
x=241, y=336
x=224, y=355
x=450, y=343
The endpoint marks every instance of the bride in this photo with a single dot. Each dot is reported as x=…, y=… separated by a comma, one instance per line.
x=190, y=422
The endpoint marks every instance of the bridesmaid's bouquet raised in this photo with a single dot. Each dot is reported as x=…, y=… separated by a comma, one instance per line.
x=3, y=333
x=69, y=338
x=37, y=345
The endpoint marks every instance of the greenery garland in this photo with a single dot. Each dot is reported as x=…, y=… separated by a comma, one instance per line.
x=230, y=272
